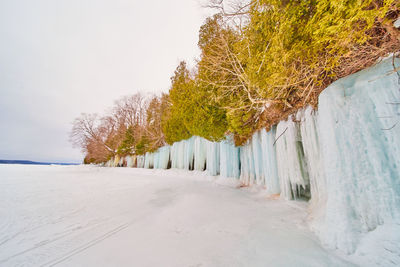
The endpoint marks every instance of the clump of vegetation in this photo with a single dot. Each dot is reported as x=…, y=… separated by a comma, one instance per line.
x=267, y=58
x=128, y=143
x=192, y=109
x=260, y=61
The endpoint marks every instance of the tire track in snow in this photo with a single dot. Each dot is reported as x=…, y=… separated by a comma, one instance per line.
x=26, y=230
x=43, y=243
x=87, y=245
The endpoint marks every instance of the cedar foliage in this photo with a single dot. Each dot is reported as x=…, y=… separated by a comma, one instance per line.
x=259, y=62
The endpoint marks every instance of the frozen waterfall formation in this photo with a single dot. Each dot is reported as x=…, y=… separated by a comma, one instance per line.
x=345, y=157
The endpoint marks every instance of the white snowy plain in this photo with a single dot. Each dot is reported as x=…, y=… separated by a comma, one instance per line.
x=94, y=216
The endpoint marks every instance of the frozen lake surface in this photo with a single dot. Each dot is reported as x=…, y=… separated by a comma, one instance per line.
x=92, y=216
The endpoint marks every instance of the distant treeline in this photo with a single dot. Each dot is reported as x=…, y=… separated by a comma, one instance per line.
x=260, y=61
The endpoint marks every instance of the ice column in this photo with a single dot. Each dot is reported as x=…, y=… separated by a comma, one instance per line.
x=189, y=153
x=129, y=161
x=140, y=161
x=247, y=170
x=163, y=157
x=149, y=160
x=200, y=153
x=309, y=136
x=292, y=169
x=174, y=155
x=177, y=155
x=182, y=154
x=121, y=161
x=256, y=148
x=270, y=169
x=229, y=159
x=213, y=159
x=156, y=160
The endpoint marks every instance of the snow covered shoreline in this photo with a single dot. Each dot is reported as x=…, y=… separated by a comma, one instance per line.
x=344, y=159
x=91, y=216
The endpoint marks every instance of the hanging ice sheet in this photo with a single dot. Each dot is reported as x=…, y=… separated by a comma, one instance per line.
x=177, y=155
x=269, y=164
x=129, y=161
x=213, y=159
x=256, y=148
x=189, y=153
x=182, y=154
x=149, y=160
x=247, y=170
x=162, y=158
x=156, y=160
x=200, y=153
x=140, y=161
x=359, y=132
x=292, y=169
x=229, y=159
x=309, y=136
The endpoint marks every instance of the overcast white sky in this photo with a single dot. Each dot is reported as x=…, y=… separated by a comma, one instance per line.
x=59, y=58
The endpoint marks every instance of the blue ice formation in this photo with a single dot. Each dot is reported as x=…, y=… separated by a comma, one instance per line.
x=247, y=169
x=345, y=157
x=149, y=160
x=269, y=161
x=258, y=161
x=162, y=157
x=229, y=156
x=359, y=136
x=140, y=161
x=200, y=153
x=129, y=161
x=182, y=154
x=213, y=159
x=292, y=168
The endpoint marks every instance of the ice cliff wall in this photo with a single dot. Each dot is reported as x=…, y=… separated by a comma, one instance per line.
x=345, y=157
x=359, y=146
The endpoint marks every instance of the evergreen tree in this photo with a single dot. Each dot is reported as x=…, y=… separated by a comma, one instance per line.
x=128, y=144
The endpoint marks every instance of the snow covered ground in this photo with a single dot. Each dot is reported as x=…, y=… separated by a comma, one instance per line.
x=93, y=216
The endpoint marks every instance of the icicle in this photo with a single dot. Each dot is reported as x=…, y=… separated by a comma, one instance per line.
x=149, y=160
x=229, y=159
x=244, y=172
x=181, y=154
x=292, y=169
x=156, y=160
x=247, y=176
x=309, y=138
x=121, y=162
x=129, y=161
x=200, y=153
x=256, y=149
x=164, y=157
x=213, y=159
x=177, y=155
x=134, y=160
x=140, y=161
x=269, y=161
x=174, y=155
x=189, y=153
